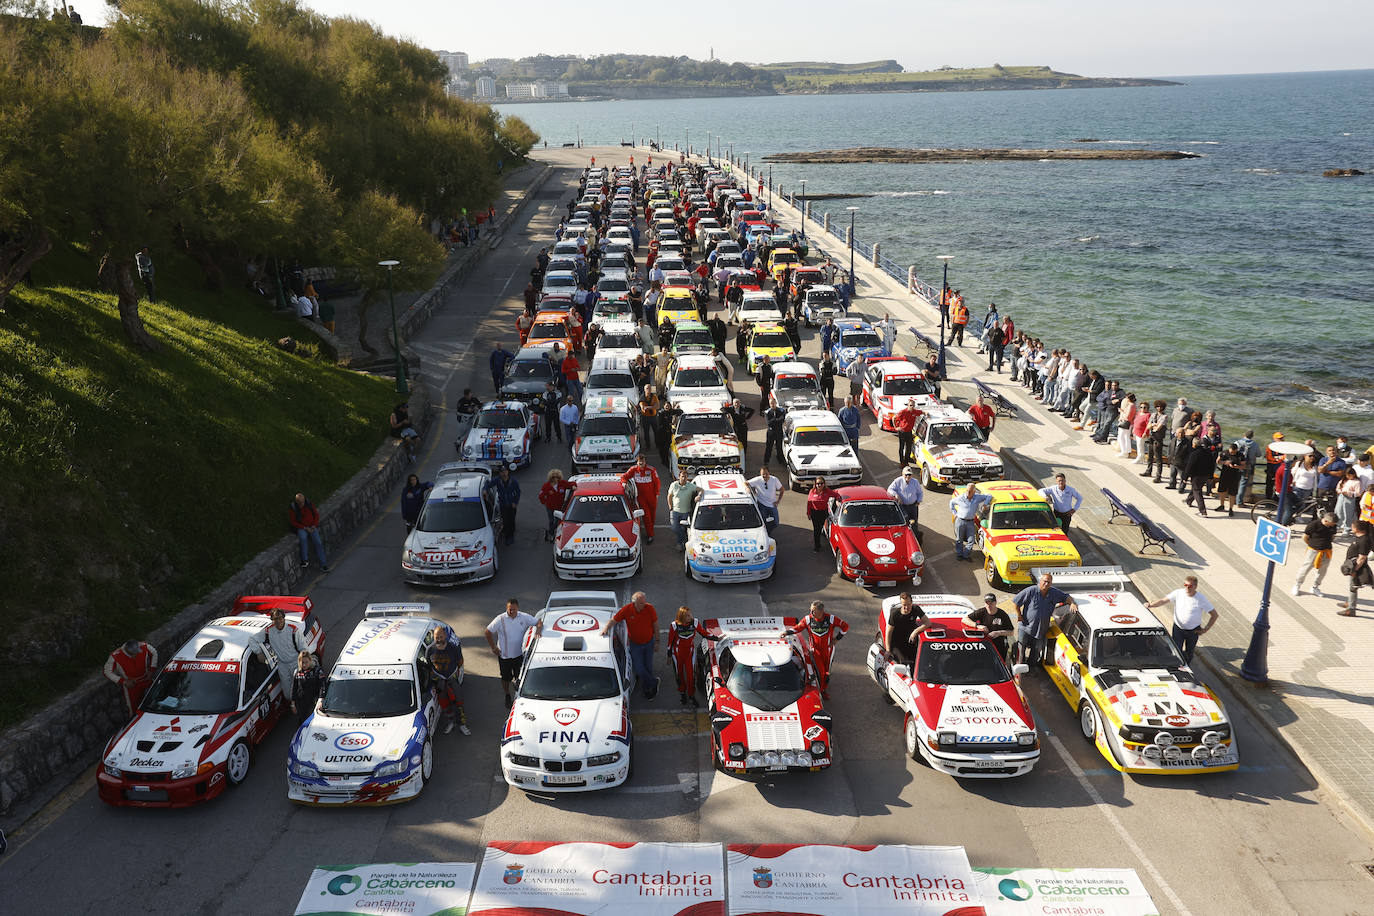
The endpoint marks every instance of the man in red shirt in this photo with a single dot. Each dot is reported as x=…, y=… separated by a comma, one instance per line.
x=905, y=422
x=132, y=667
x=641, y=629
x=984, y=417
x=646, y=491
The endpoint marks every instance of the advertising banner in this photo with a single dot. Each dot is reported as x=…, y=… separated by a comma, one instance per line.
x=1098, y=891
x=421, y=889
x=598, y=879
x=813, y=880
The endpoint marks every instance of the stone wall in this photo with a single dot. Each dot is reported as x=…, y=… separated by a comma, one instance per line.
x=39, y=757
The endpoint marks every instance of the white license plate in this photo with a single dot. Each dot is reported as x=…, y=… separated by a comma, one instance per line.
x=988, y=764
x=563, y=779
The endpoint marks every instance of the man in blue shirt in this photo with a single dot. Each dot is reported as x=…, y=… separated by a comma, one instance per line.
x=1035, y=606
x=965, y=508
x=851, y=419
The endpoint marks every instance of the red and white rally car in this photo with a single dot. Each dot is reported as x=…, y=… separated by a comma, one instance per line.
x=215, y=700
x=601, y=533
x=893, y=382
x=872, y=542
x=964, y=713
x=765, y=705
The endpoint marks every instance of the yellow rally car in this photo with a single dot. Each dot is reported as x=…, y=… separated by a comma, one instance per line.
x=1018, y=531
x=1137, y=700
x=768, y=339
x=678, y=305
x=780, y=260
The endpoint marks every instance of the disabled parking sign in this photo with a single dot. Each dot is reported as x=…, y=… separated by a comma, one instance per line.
x=1271, y=541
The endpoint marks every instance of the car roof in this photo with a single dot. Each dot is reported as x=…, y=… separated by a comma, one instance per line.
x=385, y=641
x=864, y=491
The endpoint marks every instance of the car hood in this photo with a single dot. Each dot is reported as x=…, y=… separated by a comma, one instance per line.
x=568, y=728
x=156, y=741
x=1159, y=697
x=597, y=538
x=977, y=713
x=332, y=744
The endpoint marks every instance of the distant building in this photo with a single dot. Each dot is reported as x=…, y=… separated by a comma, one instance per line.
x=456, y=61
x=486, y=87
x=540, y=89
x=499, y=66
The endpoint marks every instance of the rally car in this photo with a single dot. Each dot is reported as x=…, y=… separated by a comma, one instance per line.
x=951, y=450
x=569, y=728
x=703, y=438
x=213, y=702
x=726, y=537
x=695, y=377
x=890, y=384
x=767, y=339
x=454, y=538
x=855, y=340
x=503, y=432
x=762, y=697
x=872, y=542
x=1017, y=532
x=795, y=386
x=608, y=436
x=1137, y=700
x=814, y=444
x=963, y=711
x=369, y=741
x=600, y=535
x=820, y=302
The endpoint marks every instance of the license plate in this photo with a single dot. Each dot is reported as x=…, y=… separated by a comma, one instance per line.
x=988, y=764
x=563, y=779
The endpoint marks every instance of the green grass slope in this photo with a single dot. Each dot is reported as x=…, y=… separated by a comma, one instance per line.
x=131, y=484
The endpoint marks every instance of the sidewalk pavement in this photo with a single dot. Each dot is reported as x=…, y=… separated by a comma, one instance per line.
x=1320, y=695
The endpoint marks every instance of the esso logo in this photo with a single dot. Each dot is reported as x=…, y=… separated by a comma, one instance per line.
x=565, y=716
x=1124, y=618
x=353, y=741
x=881, y=547
x=1176, y=721
x=577, y=622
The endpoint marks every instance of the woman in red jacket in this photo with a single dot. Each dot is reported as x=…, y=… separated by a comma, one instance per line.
x=818, y=509
x=552, y=495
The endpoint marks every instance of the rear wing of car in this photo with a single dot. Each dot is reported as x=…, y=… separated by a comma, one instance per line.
x=1077, y=578
x=413, y=609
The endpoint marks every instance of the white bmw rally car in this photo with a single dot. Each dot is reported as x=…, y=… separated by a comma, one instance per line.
x=369, y=740
x=454, y=539
x=726, y=537
x=569, y=728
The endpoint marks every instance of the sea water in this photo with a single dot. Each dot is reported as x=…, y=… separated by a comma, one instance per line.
x=1242, y=280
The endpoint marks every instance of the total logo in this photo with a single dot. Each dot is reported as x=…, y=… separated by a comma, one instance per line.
x=353, y=741
x=344, y=885
x=565, y=715
x=1014, y=889
x=576, y=622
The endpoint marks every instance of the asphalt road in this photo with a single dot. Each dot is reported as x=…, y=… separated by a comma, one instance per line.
x=1261, y=840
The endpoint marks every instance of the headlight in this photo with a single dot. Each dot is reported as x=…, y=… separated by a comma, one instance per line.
x=1025, y=739
x=602, y=760
x=736, y=751
x=946, y=737
x=394, y=768
x=300, y=769
x=852, y=559
x=818, y=748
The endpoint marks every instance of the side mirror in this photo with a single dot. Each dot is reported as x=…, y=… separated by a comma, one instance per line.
x=558, y=514
x=1020, y=669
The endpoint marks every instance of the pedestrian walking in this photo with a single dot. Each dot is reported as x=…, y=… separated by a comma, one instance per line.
x=1189, y=607
x=304, y=519
x=307, y=684
x=1035, y=607
x=132, y=668
x=413, y=500
x=1064, y=500
x=965, y=507
x=506, y=636
x=445, y=660
x=641, y=631
x=909, y=493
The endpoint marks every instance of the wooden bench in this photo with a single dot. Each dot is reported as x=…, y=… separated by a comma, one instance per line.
x=932, y=346
x=1152, y=535
x=1000, y=402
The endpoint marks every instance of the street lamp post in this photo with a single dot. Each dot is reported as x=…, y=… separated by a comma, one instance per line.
x=852, y=211
x=944, y=296
x=1255, y=667
x=401, y=387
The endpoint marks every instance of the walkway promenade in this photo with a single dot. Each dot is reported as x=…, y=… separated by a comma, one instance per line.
x=1320, y=698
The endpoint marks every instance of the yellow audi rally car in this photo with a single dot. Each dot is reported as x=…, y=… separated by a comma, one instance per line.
x=1018, y=531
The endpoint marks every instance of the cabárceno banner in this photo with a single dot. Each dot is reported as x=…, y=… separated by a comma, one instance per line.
x=420, y=889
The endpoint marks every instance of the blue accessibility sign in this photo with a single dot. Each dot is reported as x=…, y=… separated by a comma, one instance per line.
x=1271, y=541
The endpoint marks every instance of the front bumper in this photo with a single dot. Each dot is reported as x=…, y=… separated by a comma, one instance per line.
x=703, y=571
x=602, y=569
x=349, y=789
x=146, y=790
x=585, y=779
x=448, y=577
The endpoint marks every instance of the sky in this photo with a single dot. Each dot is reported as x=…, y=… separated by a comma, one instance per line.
x=1087, y=37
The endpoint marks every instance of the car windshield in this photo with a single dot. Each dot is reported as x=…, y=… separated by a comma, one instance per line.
x=794, y=383
x=619, y=340
x=697, y=378
x=733, y=515
x=1019, y=517
x=859, y=339
x=368, y=697
x=500, y=419
x=692, y=337
x=704, y=424
x=870, y=514
x=960, y=663
x=954, y=434
x=610, y=425
x=907, y=384
x=531, y=369
x=767, y=687
x=542, y=329
x=613, y=286
x=569, y=682
x=606, y=379
x=772, y=339
x=1144, y=648
x=598, y=508
x=193, y=693
x=822, y=437
x=451, y=515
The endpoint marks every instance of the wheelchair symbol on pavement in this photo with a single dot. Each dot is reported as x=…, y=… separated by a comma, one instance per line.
x=1271, y=541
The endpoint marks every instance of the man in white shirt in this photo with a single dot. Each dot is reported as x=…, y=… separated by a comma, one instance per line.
x=1189, y=606
x=768, y=492
x=506, y=636
x=1064, y=500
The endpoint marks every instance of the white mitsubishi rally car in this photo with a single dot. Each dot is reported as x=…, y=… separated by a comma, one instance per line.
x=814, y=444
x=608, y=436
x=726, y=537
x=369, y=740
x=569, y=727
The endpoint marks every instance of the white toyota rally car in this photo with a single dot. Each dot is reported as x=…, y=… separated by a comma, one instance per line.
x=726, y=537
x=369, y=742
x=569, y=728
